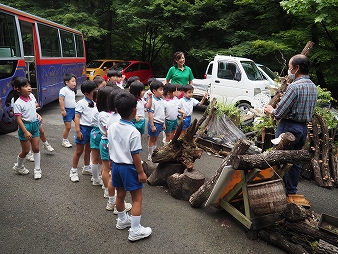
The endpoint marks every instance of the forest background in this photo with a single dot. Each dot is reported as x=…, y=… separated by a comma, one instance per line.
x=266, y=31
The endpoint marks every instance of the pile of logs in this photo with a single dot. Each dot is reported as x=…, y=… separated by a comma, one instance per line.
x=298, y=232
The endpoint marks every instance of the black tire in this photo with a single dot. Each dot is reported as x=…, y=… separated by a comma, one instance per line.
x=8, y=121
x=244, y=107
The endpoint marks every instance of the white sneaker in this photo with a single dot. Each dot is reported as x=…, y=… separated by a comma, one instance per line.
x=149, y=157
x=48, y=147
x=74, y=176
x=20, y=171
x=110, y=206
x=37, y=173
x=66, y=143
x=105, y=193
x=141, y=233
x=30, y=157
x=97, y=183
x=87, y=171
x=125, y=224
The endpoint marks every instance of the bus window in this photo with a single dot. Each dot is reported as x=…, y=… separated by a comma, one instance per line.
x=49, y=41
x=9, y=41
x=7, y=68
x=79, y=46
x=68, y=44
x=27, y=38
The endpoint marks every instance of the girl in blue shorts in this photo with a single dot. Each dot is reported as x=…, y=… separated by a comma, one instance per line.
x=28, y=121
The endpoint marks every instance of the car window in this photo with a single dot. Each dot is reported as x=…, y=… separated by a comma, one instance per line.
x=252, y=71
x=226, y=70
x=133, y=67
x=94, y=64
x=107, y=64
x=120, y=66
x=144, y=66
x=209, y=71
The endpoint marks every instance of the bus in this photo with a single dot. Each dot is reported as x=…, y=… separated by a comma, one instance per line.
x=40, y=50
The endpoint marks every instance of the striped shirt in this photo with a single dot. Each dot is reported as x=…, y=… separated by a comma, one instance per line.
x=299, y=101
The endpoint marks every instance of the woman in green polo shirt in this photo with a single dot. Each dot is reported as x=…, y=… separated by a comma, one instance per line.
x=179, y=73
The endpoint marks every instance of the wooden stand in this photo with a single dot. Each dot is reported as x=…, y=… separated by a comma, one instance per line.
x=249, y=219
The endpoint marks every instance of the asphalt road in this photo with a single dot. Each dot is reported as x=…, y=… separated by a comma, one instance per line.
x=55, y=215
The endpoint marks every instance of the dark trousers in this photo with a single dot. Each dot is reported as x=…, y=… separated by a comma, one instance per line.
x=299, y=130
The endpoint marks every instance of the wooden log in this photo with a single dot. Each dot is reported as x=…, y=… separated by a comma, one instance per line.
x=334, y=167
x=286, y=141
x=316, y=172
x=267, y=159
x=181, y=186
x=295, y=213
x=303, y=228
x=163, y=171
x=281, y=242
x=148, y=168
x=325, y=170
x=325, y=248
x=314, y=161
x=202, y=194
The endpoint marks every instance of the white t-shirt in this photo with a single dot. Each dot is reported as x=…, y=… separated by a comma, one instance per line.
x=140, y=108
x=26, y=108
x=170, y=109
x=157, y=108
x=87, y=113
x=103, y=119
x=113, y=118
x=187, y=105
x=124, y=141
x=69, y=97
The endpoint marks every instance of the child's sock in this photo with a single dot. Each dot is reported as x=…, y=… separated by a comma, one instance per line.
x=112, y=199
x=135, y=222
x=95, y=172
x=37, y=160
x=19, y=162
x=73, y=170
x=122, y=216
x=45, y=143
x=65, y=139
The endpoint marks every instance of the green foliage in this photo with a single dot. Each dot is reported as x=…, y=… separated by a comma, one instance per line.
x=228, y=109
x=324, y=96
x=263, y=122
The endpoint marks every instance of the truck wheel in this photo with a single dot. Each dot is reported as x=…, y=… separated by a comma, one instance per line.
x=244, y=107
x=8, y=121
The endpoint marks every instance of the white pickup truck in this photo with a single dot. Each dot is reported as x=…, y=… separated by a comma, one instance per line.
x=233, y=80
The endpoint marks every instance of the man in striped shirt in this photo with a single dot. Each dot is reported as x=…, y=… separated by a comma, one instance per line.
x=294, y=111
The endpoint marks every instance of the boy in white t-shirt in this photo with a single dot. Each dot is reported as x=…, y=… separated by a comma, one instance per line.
x=67, y=104
x=127, y=170
x=84, y=114
x=187, y=104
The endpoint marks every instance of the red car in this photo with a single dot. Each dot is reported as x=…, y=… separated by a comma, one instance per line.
x=143, y=70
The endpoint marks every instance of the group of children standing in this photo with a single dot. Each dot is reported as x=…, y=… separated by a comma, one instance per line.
x=109, y=122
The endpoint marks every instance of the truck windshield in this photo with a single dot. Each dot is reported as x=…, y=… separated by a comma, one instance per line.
x=251, y=70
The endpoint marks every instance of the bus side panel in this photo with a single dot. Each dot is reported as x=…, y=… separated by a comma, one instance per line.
x=50, y=78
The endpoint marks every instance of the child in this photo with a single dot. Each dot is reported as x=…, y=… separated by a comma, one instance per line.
x=187, y=104
x=171, y=111
x=95, y=138
x=105, y=104
x=28, y=121
x=115, y=76
x=67, y=104
x=120, y=80
x=127, y=171
x=99, y=81
x=131, y=80
x=156, y=116
x=84, y=112
x=137, y=89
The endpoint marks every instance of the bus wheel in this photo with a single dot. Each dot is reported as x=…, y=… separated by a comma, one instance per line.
x=8, y=122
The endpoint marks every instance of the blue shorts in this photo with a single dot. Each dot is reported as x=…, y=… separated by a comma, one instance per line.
x=170, y=125
x=186, y=122
x=140, y=125
x=125, y=176
x=85, y=130
x=104, y=150
x=70, y=114
x=95, y=138
x=159, y=129
x=32, y=127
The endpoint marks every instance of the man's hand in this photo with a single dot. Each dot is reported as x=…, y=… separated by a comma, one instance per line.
x=268, y=109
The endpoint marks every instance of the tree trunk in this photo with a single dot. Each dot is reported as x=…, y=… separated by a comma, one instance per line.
x=202, y=194
x=163, y=171
x=181, y=186
x=268, y=159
